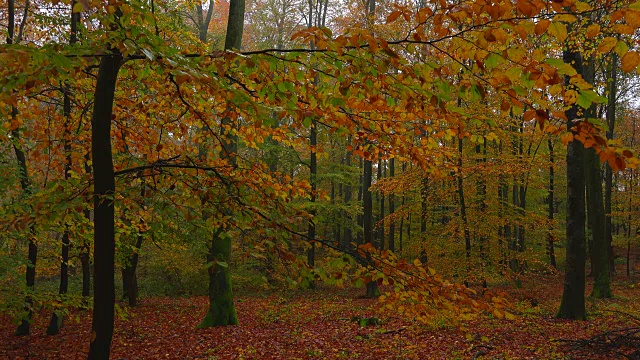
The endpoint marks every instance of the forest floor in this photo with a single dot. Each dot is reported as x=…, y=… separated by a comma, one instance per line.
x=318, y=325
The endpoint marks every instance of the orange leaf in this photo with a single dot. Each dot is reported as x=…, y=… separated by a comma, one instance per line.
x=393, y=16
x=630, y=61
x=542, y=26
x=607, y=45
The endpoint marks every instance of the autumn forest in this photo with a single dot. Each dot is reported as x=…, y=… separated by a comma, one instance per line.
x=311, y=179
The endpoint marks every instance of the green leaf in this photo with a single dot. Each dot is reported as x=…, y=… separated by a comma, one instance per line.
x=562, y=67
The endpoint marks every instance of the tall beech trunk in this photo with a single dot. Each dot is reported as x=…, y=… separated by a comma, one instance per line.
x=463, y=207
x=24, y=328
x=129, y=270
x=56, y=319
x=424, y=183
x=573, y=299
x=550, y=238
x=313, y=172
x=348, y=232
x=222, y=311
x=85, y=258
x=103, y=204
x=392, y=209
x=608, y=176
x=367, y=220
x=596, y=218
x=380, y=244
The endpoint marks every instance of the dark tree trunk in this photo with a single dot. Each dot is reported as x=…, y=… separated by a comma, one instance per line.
x=550, y=238
x=85, y=258
x=56, y=319
x=596, y=218
x=348, y=232
x=573, y=299
x=313, y=172
x=424, y=256
x=608, y=187
x=103, y=204
x=129, y=274
x=463, y=207
x=30, y=276
x=392, y=209
x=380, y=244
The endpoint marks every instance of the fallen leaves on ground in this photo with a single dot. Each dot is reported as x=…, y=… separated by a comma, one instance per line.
x=319, y=325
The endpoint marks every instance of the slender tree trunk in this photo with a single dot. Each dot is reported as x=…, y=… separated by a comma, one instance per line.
x=424, y=256
x=573, y=299
x=348, y=232
x=550, y=238
x=392, y=209
x=380, y=244
x=463, y=207
x=30, y=276
x=367, y=217
x=85, y=258
x=56, y=319
x=313, y=171
x=608, y=187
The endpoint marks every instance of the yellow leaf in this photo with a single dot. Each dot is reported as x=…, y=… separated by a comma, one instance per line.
x=630, y=61
x=606, y=45
x=593, y=31
x=582, y=6
x=78, y=8
x=542, y=26
x=558, y=30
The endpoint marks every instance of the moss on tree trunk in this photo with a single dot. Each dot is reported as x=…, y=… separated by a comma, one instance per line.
x=222, y=311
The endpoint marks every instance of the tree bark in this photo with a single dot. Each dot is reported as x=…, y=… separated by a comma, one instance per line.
x=573, y=299
x=551, y=199
x=392, y=209
x=367, y=220
x=222, y=310
x=103, y=203
x=608, y=187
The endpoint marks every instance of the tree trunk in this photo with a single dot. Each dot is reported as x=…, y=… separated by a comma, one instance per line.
x=30, y=276
x=367, y=217
x=313, y=171
x=56, y=319
x=573, y=299
x=392, y=209
x=596, y=218
x=608, y=187
x=463, y=207
x=550, y=238
x=380, y=244
x=103, y=204
x=222, y=310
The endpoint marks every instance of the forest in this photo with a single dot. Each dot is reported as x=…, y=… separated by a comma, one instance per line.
x=290, y=179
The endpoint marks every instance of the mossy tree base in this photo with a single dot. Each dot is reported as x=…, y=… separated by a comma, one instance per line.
x=602, y=287
x=222, y=311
